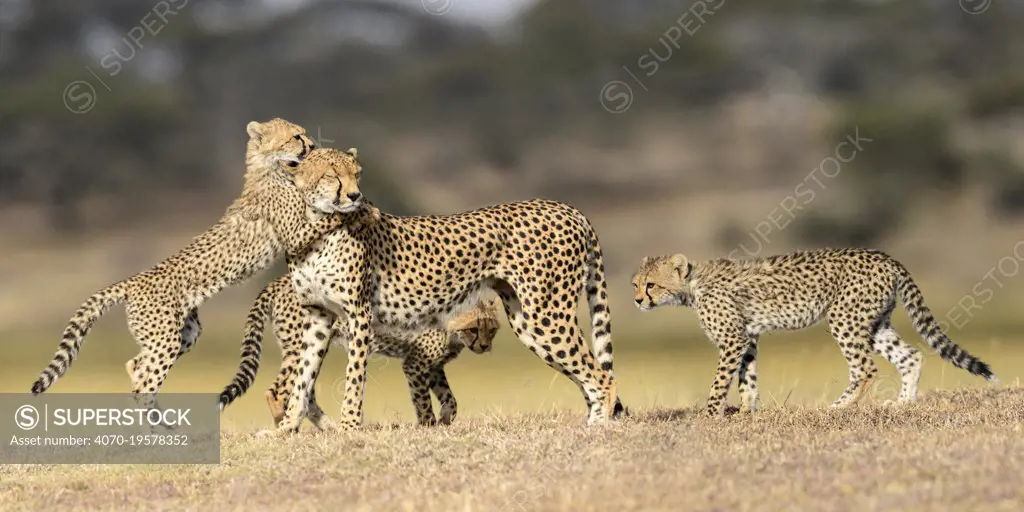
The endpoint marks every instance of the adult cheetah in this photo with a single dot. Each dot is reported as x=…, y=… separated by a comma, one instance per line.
x=162, y=303
x=424, y=354
x=854, y=289
x=412, y=273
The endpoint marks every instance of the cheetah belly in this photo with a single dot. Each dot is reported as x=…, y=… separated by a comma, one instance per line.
x=395, y=313
x=395, y=310
x=786, y=317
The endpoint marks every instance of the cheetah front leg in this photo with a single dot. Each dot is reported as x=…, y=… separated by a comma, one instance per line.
x=419, y=389
x=747, y=378
x=730, y=350
x=314, y=413
x=360, y=319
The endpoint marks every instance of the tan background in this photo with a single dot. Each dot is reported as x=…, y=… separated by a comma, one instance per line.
x=475, y=107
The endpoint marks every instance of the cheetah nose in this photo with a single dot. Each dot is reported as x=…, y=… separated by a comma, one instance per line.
x=638, y=301
x=354, y=196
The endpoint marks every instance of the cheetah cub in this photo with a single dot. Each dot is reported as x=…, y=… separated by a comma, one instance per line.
x=267, y=220
x=424, y=354
x=854, y=289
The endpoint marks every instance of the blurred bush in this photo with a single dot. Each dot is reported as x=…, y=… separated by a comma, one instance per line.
x=910, y=155
x=997, y=96
x=171, y=121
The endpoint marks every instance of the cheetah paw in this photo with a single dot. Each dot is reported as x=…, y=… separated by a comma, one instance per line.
x=325, y=424
x=341, y=427
x=267, y=433
x=275, y=433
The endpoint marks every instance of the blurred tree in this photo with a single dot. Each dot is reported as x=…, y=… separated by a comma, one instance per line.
x=910, y=155
x=375, y=70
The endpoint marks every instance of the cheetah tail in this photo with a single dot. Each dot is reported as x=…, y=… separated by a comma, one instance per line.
x=600, y=314
x=252, y=343
x=925, y=324
x=74, y=334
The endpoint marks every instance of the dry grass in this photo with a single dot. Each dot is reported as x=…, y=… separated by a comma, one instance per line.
x=953, y=450
x=520, y=443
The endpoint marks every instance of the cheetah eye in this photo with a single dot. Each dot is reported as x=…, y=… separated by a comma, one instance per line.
x=650, y=286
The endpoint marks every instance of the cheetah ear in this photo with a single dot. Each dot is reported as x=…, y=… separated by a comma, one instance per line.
x=682, y=265
x=497, y=304
x=255, y=130
x=352, y=152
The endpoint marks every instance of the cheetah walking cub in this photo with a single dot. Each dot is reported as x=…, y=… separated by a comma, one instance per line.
x=854, y=289
x=268, y=219
x=424, y=354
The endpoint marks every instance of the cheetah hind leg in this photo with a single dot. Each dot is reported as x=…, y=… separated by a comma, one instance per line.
x=853, y=342
x=278, y=403
x=315, y=339
x=157, y=329
x=419, y=390
x=129, y=366
x=190, y=332
x=747, y=379
x=316, y=415
x=148, y=371
x=907, y=360
x=445, y=396
x=278, y=394
x=542, y=332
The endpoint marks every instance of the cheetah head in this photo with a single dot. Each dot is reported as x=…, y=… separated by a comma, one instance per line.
x=662, y=281
x=475, y=328
x=329, y=180
x=277, y=144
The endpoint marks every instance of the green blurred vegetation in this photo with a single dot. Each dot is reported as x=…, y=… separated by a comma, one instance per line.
x=505, y=90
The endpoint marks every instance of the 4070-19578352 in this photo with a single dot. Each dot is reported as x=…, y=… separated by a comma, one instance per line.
x=103, y=440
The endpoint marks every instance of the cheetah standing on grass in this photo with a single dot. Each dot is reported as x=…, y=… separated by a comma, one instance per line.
x=854, y=289
x=424, y=354
x=162, y=303
x=412, y=273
